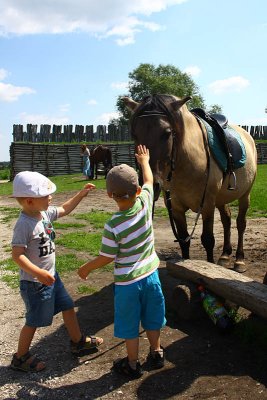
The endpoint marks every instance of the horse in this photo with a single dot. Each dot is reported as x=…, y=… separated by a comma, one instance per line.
x=187, y=172
x=100, y=154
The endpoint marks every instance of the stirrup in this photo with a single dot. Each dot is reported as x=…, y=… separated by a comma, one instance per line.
x=232, y=187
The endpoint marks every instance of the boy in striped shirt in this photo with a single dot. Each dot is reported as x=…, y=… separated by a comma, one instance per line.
x=128, y=240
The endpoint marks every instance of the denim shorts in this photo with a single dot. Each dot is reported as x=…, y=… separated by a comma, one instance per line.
x=43, y=302
x=142, y=301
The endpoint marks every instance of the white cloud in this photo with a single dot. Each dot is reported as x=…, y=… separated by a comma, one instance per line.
x=9, y=93
x=117, y=18
x=104, y=118
x=233, y=84
x=192, y=70
x=3, y=74
x=92, y=102
x=64, y=107
x=39, y=119
x=119, y=85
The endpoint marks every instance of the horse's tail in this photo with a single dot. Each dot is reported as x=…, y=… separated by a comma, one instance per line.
x=109, y=157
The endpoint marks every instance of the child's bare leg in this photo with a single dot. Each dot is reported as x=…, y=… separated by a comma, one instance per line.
x=72, y=325
x=132, y=347
x=25, y=339
x=154, y=339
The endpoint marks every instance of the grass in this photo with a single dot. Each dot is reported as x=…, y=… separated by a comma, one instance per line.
x=65, y=263
x=84, y=289
x=95, y=217
x=64, y=183
x=81, y=241
x=59, y=225
x=9, y=213
x=74, y=182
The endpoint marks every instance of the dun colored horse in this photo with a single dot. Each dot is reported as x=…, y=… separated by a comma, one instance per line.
x=100, y=154
x=183, y=166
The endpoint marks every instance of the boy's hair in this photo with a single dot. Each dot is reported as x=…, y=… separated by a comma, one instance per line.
x=32, y=184
x=122, y=181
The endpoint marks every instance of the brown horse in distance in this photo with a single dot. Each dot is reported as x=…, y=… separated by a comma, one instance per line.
x=100, y=154
x=183, y=166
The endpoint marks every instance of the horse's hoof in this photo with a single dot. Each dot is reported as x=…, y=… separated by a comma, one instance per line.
x=224, y=261
x=239, y=266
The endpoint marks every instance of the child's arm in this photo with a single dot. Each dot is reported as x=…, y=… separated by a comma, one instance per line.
x=96, y=263
x=142, y=157
x=24, y=263
x=70, y=204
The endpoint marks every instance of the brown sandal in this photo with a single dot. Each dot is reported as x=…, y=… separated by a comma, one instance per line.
x=86, y=343
x=27, y=363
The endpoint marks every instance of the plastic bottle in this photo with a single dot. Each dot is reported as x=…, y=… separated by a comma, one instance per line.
x=215, y=310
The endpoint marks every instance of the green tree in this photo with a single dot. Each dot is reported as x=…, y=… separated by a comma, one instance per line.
x=164, y=79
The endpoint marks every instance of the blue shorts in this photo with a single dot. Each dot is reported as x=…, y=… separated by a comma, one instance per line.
x=43, y=302
x=142, y=301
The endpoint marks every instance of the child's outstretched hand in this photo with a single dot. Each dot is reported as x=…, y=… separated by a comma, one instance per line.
x=82, y=272
x=142, y=154
x=87, y=188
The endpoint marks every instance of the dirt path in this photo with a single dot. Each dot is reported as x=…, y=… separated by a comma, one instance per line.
x=201, y=363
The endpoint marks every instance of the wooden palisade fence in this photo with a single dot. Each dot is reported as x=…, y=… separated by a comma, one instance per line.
x=80, y=133
x=58, y=153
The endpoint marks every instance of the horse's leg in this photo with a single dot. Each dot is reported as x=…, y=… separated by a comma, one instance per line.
x=225, y=214
x=96, y=168
x=241, y=224
x=181, y=226
x=207, y=237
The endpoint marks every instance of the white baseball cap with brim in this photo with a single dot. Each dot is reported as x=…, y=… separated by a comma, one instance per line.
x=32, y=184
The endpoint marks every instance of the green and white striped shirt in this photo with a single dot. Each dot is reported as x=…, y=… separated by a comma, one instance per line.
x=128, y=238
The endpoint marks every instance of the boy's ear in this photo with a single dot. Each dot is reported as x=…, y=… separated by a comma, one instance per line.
x=139, y=190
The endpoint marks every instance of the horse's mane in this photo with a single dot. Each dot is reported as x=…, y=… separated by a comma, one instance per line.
x=156, y=104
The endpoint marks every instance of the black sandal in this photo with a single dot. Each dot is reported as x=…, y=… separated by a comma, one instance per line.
x=26, y=363
x=156, y=359
x=123, y=367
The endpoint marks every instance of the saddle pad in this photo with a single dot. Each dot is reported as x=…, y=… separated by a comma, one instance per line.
x=235, y=145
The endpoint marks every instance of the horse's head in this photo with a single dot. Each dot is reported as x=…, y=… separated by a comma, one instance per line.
x=156, y=123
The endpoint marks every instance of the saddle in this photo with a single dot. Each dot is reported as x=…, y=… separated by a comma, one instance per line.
x=227, y=139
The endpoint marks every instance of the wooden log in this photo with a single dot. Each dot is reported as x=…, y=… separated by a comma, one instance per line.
x=228, y=284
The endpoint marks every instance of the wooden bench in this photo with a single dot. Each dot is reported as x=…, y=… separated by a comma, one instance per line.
x=228, y=284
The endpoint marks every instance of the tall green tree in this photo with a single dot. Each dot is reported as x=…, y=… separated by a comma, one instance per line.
x=148, y=79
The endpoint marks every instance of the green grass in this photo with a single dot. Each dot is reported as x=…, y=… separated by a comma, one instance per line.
x=11, y=273
x=95, y=217
x=67, y=263
x=59, y=225
x=84, y=289
x=64, y=183
x=67, y=183
x=81, y=241
x=64, y=263
x=9, y=213
x=4, y=173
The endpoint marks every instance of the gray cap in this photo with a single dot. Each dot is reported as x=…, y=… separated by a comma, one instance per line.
x=122, y=181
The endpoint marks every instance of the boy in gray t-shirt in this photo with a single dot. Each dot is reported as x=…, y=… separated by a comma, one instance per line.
x=33, y=249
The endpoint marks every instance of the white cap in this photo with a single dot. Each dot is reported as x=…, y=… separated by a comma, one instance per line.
x=32, y=184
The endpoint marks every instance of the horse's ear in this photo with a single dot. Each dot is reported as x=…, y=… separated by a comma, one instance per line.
x=179, y=103
x=130, y=104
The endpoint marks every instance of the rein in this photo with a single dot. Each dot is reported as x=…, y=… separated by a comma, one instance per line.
x=168, y=194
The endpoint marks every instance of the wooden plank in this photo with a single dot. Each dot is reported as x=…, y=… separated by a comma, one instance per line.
x=230, y=285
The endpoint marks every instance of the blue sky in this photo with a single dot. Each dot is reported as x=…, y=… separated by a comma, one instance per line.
x=65, y=61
